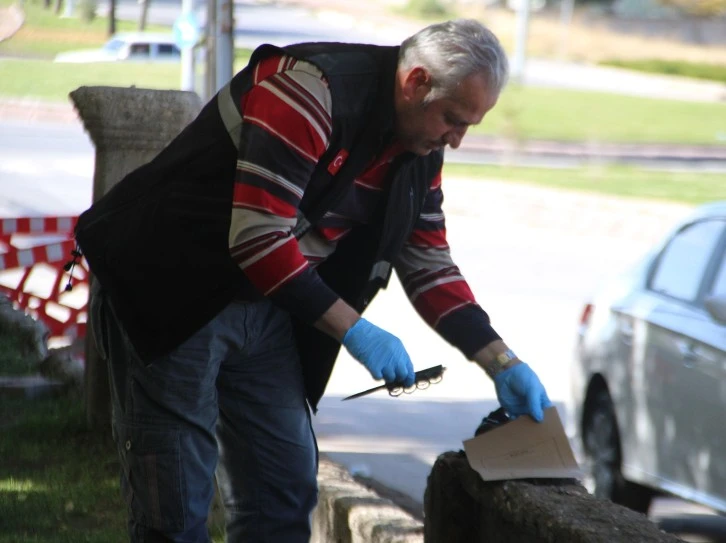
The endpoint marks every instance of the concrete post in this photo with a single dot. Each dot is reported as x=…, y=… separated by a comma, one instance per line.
x=128, y=127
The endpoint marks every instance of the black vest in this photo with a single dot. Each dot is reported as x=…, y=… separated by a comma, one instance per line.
x=158, y=240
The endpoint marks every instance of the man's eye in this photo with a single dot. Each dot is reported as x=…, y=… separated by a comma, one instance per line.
x=455, y=122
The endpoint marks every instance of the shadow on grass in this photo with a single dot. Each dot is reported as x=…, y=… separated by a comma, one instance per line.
x=58, y=481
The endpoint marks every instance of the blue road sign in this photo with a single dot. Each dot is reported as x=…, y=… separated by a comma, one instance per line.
x=186, y=30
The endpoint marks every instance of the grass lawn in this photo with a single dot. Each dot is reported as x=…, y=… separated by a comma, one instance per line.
x=683, y=187
x=59, y=483
x=698, y=70
x=12, y=359
x=60, y=79
x=45, y=34
x=561, y=114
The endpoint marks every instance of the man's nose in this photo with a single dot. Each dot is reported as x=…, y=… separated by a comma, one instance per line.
x=453, y=137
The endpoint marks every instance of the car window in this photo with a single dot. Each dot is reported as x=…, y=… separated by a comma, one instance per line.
x=682, y=263
x=139, y=50
x=168, y=50
x=719, y=282
x=113, y=46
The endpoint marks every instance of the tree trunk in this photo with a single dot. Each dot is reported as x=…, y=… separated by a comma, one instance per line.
x=144, y=14
x=112, y=18
x=57, y=4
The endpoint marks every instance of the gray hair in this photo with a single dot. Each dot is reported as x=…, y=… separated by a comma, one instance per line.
x=452, y=51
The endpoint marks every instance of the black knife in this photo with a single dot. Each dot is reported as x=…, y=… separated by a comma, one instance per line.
x=432, y=375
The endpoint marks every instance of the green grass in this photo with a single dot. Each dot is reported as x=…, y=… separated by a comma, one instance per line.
x=44, y=34
x=560, y=114
x=425, y=10
x=698, y=70
x=12, y=359
x=683, y=187
x=59, y=482
x=59, y=79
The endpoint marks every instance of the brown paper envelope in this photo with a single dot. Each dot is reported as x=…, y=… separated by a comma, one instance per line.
x=523, y=448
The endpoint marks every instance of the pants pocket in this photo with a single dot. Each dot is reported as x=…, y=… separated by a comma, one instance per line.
x=97, y=321
x=152, y=480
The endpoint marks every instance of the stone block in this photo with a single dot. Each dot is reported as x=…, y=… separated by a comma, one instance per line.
x=348, y=512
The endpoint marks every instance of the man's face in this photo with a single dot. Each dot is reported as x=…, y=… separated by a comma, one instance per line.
x=422, y=126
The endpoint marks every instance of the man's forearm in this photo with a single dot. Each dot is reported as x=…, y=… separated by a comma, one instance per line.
x=486, y=358
x=337, y=320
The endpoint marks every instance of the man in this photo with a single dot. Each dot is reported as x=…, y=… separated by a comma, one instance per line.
x=233, y=266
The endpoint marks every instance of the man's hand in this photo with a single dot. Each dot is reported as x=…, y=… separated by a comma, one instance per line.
x=382, y=353
x=520, y=392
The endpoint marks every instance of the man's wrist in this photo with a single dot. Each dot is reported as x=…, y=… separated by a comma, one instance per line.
x=337, y=320
x=495, y=358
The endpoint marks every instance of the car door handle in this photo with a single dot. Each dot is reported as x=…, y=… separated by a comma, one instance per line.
x=626, y=333
x=689, y=354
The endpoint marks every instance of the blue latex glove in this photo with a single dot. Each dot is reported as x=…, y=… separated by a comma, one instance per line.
x=520, y=392
x=382, y=353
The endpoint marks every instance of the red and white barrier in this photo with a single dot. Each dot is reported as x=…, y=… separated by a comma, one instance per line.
x=33, y=255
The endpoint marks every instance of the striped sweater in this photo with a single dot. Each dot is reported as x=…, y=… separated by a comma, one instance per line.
x=286, y=128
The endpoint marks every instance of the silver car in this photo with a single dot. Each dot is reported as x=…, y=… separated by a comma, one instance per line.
x=649, y=378
x=128, y=46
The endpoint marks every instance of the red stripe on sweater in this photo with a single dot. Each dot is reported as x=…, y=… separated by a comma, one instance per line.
x=439, y=300
x=267, y=67
x=281, y=265
x=436, y=184
x=301, y=95
x=282, y=120
x=332, y=234
x=428, y=238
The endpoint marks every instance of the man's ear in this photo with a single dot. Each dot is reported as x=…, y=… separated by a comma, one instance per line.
x=417, y=83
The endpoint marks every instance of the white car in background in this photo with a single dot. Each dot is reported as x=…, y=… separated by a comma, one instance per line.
x=649, y=376
x=128, y=46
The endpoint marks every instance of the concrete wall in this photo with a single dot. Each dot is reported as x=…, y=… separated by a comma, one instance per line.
x=461, y=508
x=348, y=512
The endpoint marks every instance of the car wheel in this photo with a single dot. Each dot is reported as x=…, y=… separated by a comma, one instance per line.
x=602, y=450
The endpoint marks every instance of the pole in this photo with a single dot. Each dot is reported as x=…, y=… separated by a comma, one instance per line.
x=224, y=43
x=210, y=77
x=566, y=11
x=187, y=53
x=520, y=44
x=68, y=12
